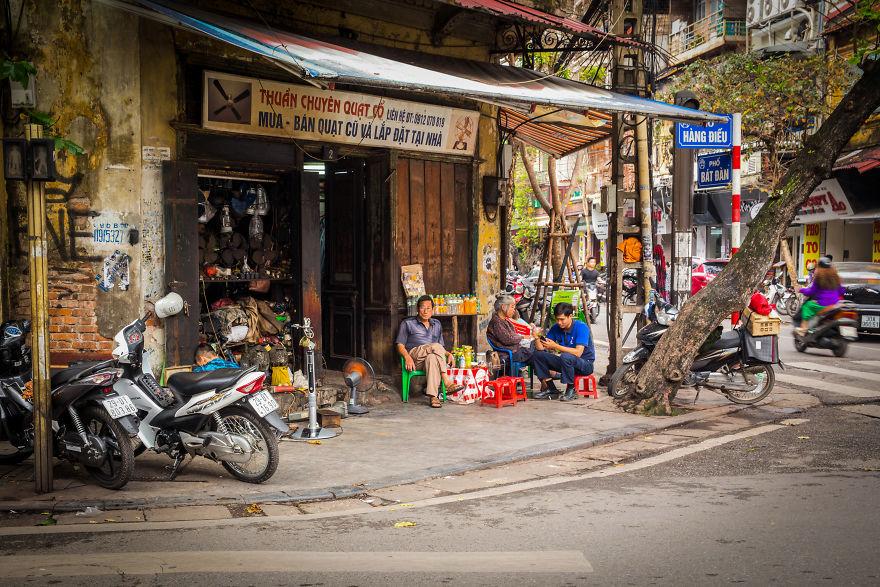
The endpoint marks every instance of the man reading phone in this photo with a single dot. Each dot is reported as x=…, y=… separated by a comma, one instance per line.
x=573, y=342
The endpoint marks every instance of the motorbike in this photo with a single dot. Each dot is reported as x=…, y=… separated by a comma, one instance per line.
x=92, y=425
x=630, y=284
x=722, y=366
x=592, y=302
x=601, y=285
x=784, y=299
x=223, y=415
x=833, y=328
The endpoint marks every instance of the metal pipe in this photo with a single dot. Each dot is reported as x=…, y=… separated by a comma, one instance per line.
x=644, y=189
x=38, y=249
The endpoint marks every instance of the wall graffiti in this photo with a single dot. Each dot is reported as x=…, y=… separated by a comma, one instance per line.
x=68, y=215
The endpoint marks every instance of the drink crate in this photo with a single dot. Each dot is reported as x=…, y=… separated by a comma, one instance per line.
x=759, y=325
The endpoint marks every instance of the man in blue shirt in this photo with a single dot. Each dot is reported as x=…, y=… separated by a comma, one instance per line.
x=206, y=359
x=573, y=341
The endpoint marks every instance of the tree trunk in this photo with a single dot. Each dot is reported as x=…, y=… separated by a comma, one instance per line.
x=660, y=378
x=533, y=178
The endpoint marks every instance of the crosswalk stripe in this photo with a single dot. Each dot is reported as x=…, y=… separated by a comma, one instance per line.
x=826, y=385
x=875, y=377
x=283, y=561
x=869, y=363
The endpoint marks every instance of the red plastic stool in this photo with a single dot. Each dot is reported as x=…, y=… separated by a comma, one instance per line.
x=517, y=386
x=505, y=394
x=586, y=386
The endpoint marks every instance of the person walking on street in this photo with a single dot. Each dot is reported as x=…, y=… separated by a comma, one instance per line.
x=420, y=343
x=573, y=341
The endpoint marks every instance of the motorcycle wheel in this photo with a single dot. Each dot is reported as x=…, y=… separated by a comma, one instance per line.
x=840, y=347
x=792, y=306
x=799, y=344
x=781, y=306
x=623, y=382
x=264, y=461
x=117, y=468
x=765, y=385
x=11, y=454
x=594, y=314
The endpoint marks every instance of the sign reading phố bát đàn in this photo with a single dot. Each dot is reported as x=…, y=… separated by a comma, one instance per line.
x=261, y=107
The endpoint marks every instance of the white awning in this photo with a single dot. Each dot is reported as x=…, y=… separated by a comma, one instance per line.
x=339, y=62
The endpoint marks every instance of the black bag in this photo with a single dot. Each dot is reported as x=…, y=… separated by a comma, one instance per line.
x=760, y=349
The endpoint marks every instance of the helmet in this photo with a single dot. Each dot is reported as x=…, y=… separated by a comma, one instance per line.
x=170, y=305
x=824, y=262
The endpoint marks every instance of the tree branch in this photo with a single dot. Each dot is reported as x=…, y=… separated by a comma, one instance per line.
x=533, y=178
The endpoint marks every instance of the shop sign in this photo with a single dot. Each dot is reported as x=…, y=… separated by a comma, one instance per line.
x=875, y=250
x=261, y=107
x=812, y=238
x=827, y=202
x=713, y=171
x=600, y=225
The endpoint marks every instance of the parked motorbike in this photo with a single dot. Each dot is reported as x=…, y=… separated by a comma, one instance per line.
x=92, y=424
x=630, y=284
x=223, y=415
x=833, y=328
x=601, y=285
x=784, y=299
x=723, y=366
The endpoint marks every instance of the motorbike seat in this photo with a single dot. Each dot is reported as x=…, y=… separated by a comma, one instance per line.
x=70, y=373
x=728, y=340
x=189, y=384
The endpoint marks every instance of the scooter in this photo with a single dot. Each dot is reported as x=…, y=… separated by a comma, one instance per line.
x=592, y=302
x=725, y=366
x=833, y=328
x=223, y=415
x=91, y=423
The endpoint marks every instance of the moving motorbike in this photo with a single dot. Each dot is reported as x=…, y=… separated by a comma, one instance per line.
x=726, y=366
x=592, y=302
x=833, y=328
x=223, y=415
x=91, y=423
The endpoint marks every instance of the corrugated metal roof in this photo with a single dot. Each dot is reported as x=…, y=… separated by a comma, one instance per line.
x=526, y=14
x=554, y=138
x=862, y=160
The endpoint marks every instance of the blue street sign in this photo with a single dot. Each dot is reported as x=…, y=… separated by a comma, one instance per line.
x=713, y=171
x=714, y=135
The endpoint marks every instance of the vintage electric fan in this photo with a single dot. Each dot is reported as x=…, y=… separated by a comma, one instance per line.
x=359, y=376
x=312, y=431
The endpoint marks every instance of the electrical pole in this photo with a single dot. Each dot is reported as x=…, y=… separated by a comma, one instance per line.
x=682, y=209
x=38, y=250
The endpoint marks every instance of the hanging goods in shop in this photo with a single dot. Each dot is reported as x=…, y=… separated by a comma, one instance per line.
x=255, y=230
x=359, y=376
x=250, y=196
x=313, y=431
x=206, y=210
x=262, y=202
x=225, y=221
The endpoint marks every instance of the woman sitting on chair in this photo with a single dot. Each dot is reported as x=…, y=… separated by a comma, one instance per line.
x=502, y=335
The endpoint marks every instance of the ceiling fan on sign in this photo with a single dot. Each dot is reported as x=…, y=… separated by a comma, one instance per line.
x=230, y=102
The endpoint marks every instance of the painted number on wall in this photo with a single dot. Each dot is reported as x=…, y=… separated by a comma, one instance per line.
x=109, y=233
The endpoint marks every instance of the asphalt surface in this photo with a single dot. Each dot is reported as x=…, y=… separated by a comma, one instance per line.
x=793, y=506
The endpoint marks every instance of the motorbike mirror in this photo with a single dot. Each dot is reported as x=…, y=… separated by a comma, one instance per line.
x=170, y=305
x=25, y=326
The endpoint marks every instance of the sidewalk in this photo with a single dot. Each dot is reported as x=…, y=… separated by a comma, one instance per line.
x=394, y=444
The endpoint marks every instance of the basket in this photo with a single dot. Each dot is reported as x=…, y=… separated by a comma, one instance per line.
x=759, y=325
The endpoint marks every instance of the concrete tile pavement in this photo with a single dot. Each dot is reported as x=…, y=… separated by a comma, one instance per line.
x=395, y=446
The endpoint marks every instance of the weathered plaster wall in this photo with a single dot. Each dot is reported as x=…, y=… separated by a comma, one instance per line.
x=88, y=58
x=488, y=238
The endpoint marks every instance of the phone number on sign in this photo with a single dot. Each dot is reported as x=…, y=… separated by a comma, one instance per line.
x=107, y=235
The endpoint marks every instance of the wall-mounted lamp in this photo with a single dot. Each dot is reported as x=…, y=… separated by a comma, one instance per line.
x=492, y=190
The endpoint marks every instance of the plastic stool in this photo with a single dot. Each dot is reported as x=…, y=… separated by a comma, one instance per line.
x=504, y=393
x=586, y=386
x=518, y=386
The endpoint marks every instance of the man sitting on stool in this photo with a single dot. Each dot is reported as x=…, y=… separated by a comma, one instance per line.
x=573, y=341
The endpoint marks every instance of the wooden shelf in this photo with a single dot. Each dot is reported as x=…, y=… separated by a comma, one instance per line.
x=240, y=280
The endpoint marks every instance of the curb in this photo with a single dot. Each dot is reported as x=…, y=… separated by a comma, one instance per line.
x=346, y=491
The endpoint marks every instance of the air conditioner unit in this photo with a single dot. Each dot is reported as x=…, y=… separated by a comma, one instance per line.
x=769, y=9
x=753, y=12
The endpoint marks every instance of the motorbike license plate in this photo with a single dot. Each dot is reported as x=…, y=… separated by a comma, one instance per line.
x=848, y=332
x=869, y=321
x=263, y=403
x=119, y=407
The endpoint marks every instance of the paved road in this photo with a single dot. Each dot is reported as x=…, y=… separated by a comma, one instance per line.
x=796, y=505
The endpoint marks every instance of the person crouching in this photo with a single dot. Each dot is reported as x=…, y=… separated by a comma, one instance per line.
x=573, y=341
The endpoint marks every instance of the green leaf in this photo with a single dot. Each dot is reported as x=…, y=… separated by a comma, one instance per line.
x=37, y=117
x=19, y=71
x=62, y=144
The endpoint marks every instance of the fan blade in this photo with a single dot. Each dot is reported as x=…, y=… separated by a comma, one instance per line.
x=234, y=111
x=242, y=95
x=220, y=89
x=221, y=109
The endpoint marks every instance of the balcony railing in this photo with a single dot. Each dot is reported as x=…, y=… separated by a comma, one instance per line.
x=706, y=34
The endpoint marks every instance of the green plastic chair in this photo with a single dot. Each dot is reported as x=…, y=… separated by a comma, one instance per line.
x=405, y=379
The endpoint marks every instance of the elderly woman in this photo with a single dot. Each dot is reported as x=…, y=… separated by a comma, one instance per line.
x=501, y=333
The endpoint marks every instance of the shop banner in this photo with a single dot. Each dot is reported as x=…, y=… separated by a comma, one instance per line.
x=827, y=202
x=261, y=107
x=812, y=237
x=875, y=250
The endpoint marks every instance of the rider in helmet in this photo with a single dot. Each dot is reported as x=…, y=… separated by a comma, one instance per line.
x=825, y=290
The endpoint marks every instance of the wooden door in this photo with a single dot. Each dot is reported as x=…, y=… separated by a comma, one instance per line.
x=179, y=182
x=344, y=261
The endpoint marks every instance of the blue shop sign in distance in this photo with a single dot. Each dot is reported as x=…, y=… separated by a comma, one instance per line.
x=712, y=135
x=713, y=171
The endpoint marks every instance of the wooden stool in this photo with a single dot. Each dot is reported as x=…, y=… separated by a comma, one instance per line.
x=586, y=386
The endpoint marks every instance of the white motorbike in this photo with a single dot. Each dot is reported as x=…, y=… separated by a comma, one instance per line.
x=223, y=415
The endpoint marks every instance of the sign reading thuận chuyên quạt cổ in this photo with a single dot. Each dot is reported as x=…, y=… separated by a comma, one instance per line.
x=262, y=107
